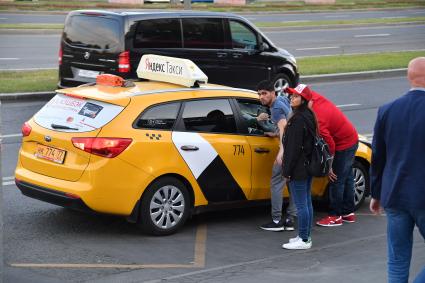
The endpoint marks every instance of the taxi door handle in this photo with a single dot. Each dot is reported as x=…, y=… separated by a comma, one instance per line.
x=237, y=55
x=189, y=147
x=221, y=54
x=261, y=150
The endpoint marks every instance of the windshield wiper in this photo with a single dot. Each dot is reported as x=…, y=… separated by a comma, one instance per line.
x=63, y=127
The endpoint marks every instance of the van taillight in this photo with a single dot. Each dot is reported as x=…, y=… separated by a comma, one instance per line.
x=26, y=129
x=60, y=56
x=105, y=147
x=124, y=62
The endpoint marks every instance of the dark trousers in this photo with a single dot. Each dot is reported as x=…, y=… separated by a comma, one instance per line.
x=341, y=192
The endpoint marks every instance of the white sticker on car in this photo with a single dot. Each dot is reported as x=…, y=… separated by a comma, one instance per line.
x=197, y=160
x=72, y=114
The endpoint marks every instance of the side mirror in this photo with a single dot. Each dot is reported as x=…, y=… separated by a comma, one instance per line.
x=263, y=47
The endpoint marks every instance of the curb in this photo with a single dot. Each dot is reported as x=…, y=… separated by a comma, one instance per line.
x=304, y=79
x=354, y=76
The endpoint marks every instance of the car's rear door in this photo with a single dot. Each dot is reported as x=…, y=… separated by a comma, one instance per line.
x=219, y=157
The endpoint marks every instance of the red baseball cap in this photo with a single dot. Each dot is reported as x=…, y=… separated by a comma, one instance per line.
x=302, y=90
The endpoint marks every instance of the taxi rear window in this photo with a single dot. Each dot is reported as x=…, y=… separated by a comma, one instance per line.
x=72, y=114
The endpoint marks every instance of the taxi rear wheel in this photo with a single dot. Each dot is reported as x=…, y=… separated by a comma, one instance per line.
x=361, y=183
x=165, y=207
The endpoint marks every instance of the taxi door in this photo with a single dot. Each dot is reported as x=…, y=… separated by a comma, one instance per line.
x=219, y=158
x=263, y=149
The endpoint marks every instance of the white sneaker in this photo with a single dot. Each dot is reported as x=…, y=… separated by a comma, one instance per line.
x=291, y=240
x=297, y=245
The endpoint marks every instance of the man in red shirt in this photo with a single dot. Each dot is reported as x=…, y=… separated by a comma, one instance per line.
x=342, y=138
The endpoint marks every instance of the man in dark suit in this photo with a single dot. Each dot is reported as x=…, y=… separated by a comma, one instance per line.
x=397, y=172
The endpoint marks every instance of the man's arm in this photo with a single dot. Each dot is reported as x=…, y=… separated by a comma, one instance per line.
x=281, y=126
x=379, y=157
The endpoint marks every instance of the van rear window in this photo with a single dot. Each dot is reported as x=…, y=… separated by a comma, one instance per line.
x=71, y=114
x=92, y=32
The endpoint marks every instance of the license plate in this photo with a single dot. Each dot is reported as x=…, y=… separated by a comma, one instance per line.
x=88, y=74
x=50, y=153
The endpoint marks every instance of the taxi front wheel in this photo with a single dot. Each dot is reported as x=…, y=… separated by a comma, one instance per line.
x=361, y=183
x=165, y=207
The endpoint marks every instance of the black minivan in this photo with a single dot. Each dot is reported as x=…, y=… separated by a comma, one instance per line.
x=228, y=48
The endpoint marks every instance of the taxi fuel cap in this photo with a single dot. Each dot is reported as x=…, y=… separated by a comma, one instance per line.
x=170, y=69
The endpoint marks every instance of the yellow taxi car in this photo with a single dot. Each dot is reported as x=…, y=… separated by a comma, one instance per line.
x=154, y=151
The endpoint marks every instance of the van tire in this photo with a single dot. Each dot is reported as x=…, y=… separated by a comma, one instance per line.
x=165, y=207
x=280, y=82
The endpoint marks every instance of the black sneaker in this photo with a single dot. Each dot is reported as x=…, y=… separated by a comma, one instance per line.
x=271, y=226
x=288, y=224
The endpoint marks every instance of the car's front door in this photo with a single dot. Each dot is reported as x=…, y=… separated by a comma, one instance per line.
x=244, y=58
x=263, y=148
x=218, y=157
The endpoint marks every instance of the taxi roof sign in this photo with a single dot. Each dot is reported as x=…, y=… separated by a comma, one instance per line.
x=170, y=69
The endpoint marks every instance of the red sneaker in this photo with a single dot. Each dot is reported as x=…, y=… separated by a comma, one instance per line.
x=350, y=218
x=330, y=221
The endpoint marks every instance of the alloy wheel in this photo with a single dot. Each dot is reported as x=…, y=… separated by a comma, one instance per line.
x=359, y=185
x=167, y=207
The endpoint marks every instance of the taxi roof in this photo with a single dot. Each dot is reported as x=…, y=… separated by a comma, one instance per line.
x=122, y=95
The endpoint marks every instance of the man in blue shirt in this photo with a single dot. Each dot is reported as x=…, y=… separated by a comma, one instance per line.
x=280, y=109
x=397, y=172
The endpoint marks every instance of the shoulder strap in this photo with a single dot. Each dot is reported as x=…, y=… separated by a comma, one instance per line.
x=310, y=129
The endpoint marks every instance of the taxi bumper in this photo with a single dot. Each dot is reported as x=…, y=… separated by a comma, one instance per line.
x=52, y=196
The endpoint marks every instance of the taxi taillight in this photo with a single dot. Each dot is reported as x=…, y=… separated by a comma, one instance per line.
x=124, y=62
x=109, y=80
x=26, y=129
x=105, y=147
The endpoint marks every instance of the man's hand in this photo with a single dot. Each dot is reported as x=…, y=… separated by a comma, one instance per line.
x=332, y=176
x=375, y=206
x=279, y=158
x=263, y=117
x=271, y=134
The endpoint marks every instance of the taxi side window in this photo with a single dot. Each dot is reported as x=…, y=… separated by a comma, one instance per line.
x=249, y=110
x=160, y=117
x=210, y=116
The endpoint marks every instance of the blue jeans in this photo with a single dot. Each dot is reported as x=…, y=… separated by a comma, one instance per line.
x=400, y=241
x=301, y=194
x=341, y=192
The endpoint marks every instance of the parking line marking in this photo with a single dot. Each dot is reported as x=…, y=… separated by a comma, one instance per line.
x=199, y=259
x=200, y=246
x=9, y=58
x=318, y=48
x=373, y=35
x=8, y=183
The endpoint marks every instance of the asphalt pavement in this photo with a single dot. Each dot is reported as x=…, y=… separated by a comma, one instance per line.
x=45, y=243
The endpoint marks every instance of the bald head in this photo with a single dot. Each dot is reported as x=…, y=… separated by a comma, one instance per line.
x=416, y=72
